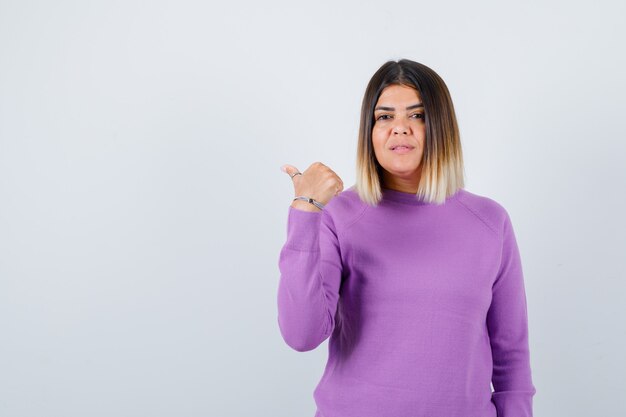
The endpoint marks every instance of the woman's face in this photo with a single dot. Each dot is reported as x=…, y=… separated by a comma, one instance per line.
x=398, y=121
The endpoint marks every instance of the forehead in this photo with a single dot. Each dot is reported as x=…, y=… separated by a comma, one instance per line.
x=398, y=94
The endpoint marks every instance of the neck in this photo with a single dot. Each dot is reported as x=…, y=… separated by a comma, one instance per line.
x=406, y=185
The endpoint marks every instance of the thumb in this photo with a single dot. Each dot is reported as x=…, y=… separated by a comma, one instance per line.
x=289, y=169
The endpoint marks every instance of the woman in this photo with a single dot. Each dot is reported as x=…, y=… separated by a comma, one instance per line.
x=417, y=282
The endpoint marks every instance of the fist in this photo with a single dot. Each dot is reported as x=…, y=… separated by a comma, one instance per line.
x=318, y=182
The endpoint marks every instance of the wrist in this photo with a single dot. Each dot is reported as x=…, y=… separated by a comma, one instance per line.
x=305, y=206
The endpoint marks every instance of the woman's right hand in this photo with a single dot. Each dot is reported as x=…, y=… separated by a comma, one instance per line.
x=318, y=182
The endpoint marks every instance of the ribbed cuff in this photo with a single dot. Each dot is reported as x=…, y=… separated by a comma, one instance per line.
x=513, y=403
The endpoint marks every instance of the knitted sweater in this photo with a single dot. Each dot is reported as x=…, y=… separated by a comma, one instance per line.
x=424, y=305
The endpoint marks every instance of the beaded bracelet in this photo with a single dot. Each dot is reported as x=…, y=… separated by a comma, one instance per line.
x=310, y=200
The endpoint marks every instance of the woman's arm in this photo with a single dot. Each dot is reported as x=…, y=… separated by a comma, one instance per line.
x=507, y=322
x=310, y=268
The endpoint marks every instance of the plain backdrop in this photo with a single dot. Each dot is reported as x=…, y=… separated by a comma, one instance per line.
x=142, y=206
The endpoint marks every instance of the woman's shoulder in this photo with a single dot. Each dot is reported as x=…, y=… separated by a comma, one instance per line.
x=487, y=209
x=345, y=207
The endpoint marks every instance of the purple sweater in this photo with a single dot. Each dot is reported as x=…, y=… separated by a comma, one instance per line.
x=424, y=305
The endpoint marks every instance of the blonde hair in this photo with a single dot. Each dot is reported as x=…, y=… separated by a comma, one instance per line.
x=442, y=169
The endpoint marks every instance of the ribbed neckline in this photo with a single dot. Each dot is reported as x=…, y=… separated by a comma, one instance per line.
x=410, y=198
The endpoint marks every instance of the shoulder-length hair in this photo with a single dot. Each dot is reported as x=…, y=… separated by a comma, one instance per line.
x=442, y=170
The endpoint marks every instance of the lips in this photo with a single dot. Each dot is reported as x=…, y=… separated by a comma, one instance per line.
x=402, y=150
x=402, y=145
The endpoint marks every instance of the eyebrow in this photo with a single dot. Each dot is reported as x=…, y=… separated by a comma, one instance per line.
x=413, y=106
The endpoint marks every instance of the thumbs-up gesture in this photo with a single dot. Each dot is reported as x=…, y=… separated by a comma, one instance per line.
x=318, y=182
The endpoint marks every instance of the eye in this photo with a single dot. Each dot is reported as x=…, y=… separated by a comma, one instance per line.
x=421, y=115
x=381, y=116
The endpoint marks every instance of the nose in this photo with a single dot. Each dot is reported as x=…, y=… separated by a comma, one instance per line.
x=400, y=128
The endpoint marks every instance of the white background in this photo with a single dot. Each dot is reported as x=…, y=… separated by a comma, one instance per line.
x=142, y=207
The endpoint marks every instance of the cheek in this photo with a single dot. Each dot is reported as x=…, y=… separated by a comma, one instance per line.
x=379, y=135
x=378, y=143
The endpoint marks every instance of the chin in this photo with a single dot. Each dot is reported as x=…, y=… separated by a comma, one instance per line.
x=399, y=168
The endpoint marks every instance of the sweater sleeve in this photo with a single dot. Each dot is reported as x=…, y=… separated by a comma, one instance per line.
x=310, y=276
x=507, y=323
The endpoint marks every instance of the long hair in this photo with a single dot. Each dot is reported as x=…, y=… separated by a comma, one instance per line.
x=442, y=169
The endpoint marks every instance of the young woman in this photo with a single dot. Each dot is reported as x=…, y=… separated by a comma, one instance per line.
x=417, y=282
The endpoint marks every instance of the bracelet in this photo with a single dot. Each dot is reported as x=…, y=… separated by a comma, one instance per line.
x=310, y=200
